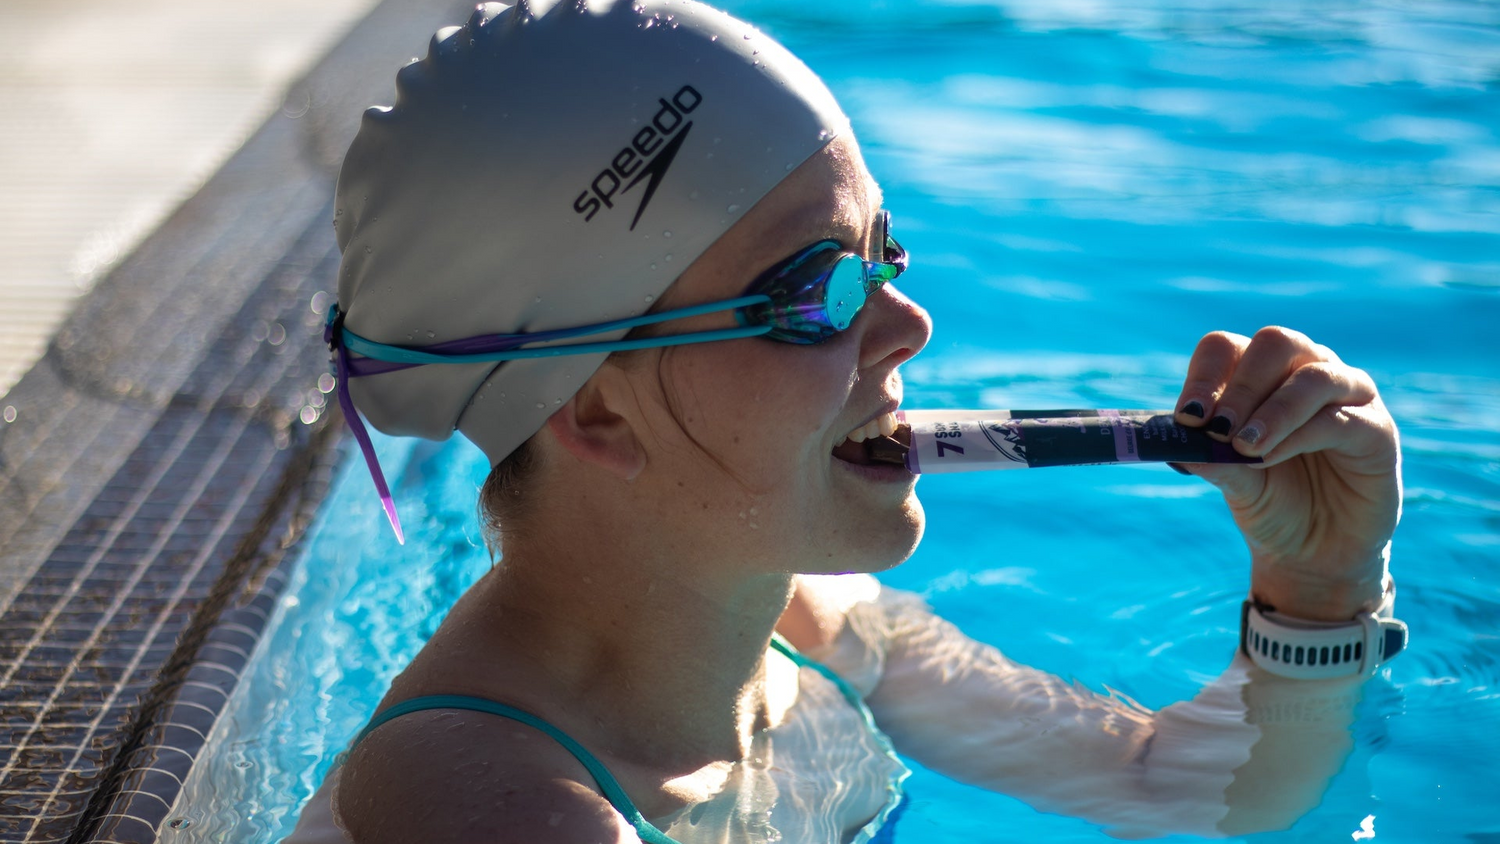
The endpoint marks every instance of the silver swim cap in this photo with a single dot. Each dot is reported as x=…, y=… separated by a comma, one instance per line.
x=548, y=165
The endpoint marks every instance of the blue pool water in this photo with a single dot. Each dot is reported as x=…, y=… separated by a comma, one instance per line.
x=1086, y=188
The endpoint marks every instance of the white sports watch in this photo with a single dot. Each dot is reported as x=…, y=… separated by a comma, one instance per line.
x=1320, y=650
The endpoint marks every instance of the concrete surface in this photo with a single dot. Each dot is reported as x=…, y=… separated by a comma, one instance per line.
x=114, y=115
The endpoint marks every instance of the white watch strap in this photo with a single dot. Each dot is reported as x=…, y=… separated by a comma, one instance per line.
x=1317, y=650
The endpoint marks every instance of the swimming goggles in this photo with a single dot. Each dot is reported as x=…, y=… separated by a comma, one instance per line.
x=805, y=299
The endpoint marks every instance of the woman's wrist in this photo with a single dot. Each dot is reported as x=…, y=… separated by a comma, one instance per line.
x=1322, y=650
x=1299, y=590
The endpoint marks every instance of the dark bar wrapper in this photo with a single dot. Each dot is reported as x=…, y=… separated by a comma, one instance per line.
x=1084, y=440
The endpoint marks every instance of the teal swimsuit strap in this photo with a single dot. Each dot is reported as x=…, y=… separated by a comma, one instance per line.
x=608, y=785
x=605, y=780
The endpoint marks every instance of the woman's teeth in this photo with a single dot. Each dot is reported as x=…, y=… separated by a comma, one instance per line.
x=881, y=426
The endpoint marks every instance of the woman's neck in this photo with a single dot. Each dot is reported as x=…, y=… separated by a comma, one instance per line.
x=663, y=652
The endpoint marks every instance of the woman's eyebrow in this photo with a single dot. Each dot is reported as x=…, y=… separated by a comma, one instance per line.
x=827, y=220
x=810, y=224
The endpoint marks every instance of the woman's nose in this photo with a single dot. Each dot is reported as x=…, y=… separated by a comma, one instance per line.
x=897, y=328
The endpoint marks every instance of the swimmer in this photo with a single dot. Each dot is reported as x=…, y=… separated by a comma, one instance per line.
x=682, y=640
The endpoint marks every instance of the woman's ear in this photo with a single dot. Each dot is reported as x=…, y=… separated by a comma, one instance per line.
x=588, y=427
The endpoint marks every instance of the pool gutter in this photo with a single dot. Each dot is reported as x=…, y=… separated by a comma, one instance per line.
x=166, y=453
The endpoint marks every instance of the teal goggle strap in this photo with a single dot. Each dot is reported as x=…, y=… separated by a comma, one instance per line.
x=806, y=299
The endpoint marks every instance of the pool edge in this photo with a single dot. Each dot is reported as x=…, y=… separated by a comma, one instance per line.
x=164, y=381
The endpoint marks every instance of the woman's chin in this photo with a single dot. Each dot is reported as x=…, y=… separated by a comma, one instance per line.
x=880, y=545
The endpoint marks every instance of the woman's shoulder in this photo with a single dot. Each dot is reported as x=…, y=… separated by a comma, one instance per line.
x=447, y=775
x=848, y=622
x=820, y=607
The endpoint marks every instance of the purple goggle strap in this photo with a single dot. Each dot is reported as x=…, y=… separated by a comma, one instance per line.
x=494, y=348
x=332, y=335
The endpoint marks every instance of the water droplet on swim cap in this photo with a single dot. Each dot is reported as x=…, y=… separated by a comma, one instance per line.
x=666, y=234
x=535, y=182
x=733, y=208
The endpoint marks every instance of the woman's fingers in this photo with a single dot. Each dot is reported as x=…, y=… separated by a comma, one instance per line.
x=1309, y=389
x=1363, y=434
x=1209, y=370
x=1260, y=390
x=1265, y=366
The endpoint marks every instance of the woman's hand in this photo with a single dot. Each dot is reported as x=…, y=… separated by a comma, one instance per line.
x=1319, y=512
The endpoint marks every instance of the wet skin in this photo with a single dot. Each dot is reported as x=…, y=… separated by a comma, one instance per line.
x=680, y=490
x=677, y=493
x=749, y=427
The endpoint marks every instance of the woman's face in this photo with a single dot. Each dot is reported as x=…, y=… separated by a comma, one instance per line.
x=739, y=436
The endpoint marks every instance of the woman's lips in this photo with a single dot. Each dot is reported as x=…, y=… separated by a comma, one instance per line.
x=878, y=472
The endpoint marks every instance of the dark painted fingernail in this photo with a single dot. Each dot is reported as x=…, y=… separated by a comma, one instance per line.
x=1220, y=425
x=1193, y=408
x=1177, y=467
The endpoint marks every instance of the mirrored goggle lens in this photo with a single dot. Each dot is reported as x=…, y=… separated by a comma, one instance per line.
x=844, y=292
x=815, y=295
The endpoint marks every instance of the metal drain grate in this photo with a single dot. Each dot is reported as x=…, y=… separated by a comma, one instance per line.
x=91, y=631
x=167, y=449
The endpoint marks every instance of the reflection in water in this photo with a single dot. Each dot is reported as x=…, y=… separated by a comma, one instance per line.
x=818, y=775
x=1248, y=752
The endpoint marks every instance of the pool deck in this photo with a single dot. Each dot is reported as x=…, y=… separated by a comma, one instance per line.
x=167, y=450
x=114, y=120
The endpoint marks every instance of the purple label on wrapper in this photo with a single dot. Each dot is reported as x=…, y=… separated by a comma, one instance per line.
x=1125, y=450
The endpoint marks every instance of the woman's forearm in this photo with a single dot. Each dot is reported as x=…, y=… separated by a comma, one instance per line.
x=1250, y=751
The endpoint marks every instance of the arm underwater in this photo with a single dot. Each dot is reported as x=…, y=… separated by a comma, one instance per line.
x=943, y=441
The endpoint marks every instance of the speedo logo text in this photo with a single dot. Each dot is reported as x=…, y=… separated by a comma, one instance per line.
x=646, y=158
